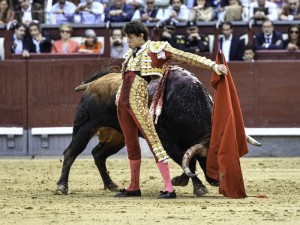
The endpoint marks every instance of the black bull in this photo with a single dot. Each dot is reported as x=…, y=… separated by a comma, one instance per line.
x=184, y=122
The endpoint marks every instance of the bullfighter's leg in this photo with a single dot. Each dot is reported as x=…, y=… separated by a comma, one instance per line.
x=130, y=131
x=138, y=99
x=133, y=106
x=174, y=153
x=110, y=142
x=77, y=145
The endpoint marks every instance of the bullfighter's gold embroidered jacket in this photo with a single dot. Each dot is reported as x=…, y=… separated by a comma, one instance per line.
x=154, y=56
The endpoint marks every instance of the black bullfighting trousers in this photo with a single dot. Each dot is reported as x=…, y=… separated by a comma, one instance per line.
x=133, y=115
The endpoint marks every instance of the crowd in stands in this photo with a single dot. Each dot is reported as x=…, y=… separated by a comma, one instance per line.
x=26, y=16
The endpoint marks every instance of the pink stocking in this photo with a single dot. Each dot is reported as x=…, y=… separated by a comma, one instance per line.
x=164, y=170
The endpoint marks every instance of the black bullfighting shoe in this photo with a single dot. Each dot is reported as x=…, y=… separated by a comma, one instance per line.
x=166, y=194
x=125, y=193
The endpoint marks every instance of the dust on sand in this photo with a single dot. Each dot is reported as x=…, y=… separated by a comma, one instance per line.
x=28, y=195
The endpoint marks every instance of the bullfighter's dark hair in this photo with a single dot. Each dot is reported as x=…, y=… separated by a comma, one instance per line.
x=136, y=28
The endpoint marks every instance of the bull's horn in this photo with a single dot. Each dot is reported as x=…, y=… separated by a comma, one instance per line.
x=252, y=141
x=197, y=149
x=83, y=87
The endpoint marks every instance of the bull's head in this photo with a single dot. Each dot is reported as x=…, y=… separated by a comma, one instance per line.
x=201, y=150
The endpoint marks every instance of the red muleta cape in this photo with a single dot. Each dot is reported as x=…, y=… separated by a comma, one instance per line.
x=228, y=139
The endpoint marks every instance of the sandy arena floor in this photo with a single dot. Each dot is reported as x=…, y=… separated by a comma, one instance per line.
x=28, y=195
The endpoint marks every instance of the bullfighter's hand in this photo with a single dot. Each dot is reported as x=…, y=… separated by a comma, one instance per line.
x=220, y=69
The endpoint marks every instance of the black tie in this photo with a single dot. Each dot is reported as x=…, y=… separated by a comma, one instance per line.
x=135, y=51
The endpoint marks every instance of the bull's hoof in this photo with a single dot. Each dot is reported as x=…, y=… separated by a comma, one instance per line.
x=112, y=187
x=200, y=191
x=181, y=180
x=62, y=188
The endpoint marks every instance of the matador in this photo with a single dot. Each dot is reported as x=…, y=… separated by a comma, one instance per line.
x=144, y=60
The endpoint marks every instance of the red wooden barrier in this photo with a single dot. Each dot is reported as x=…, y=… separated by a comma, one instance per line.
x=13, y=97
x=40, y=92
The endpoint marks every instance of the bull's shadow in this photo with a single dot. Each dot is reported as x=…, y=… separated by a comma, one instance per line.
x=185, y=122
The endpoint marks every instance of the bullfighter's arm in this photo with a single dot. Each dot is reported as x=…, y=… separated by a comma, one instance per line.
x=164, y=49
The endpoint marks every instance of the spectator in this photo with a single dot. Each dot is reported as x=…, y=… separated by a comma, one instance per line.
x=279, y=3
x=65, y=44
x=136, y=4
x=15, y=3
x=177, y=12
x=27, y=12
x=218, y=6
x=194, y=41
x=249, y=54
x=149, y=14
x=262, y=10
x=290, y=11
x=62, y=12
x=91, y=12
x=190, y=3
x=39, y=42
x=90, y=43
x=7, y=15
x=231, y=46
x=235, y=12
x=118, y=46
x=168, y=33
x=105, y=3
x=20, y=43
x=119, y=12
x=293, y=41
x=201, y=12
x=268, y=38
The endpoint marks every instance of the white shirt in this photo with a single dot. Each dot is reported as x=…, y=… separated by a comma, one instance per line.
x=269, y=37
x=37, y=45
x=226, y=47
x=183, y=13
x=18, y=45
x=26, y=15
x=97, y=15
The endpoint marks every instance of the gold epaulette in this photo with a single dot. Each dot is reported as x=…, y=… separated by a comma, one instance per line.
x=157, y=46
x=127, y=53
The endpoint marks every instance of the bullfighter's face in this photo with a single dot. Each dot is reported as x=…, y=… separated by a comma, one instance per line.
x=135, y=41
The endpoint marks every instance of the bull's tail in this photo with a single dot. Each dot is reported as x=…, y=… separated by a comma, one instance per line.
x=83, y=87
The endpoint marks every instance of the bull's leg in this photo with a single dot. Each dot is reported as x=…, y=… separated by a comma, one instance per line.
x=199, y=188
x=111, y=141
x=77, y=145
x=202, y=162
x=181, y=180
